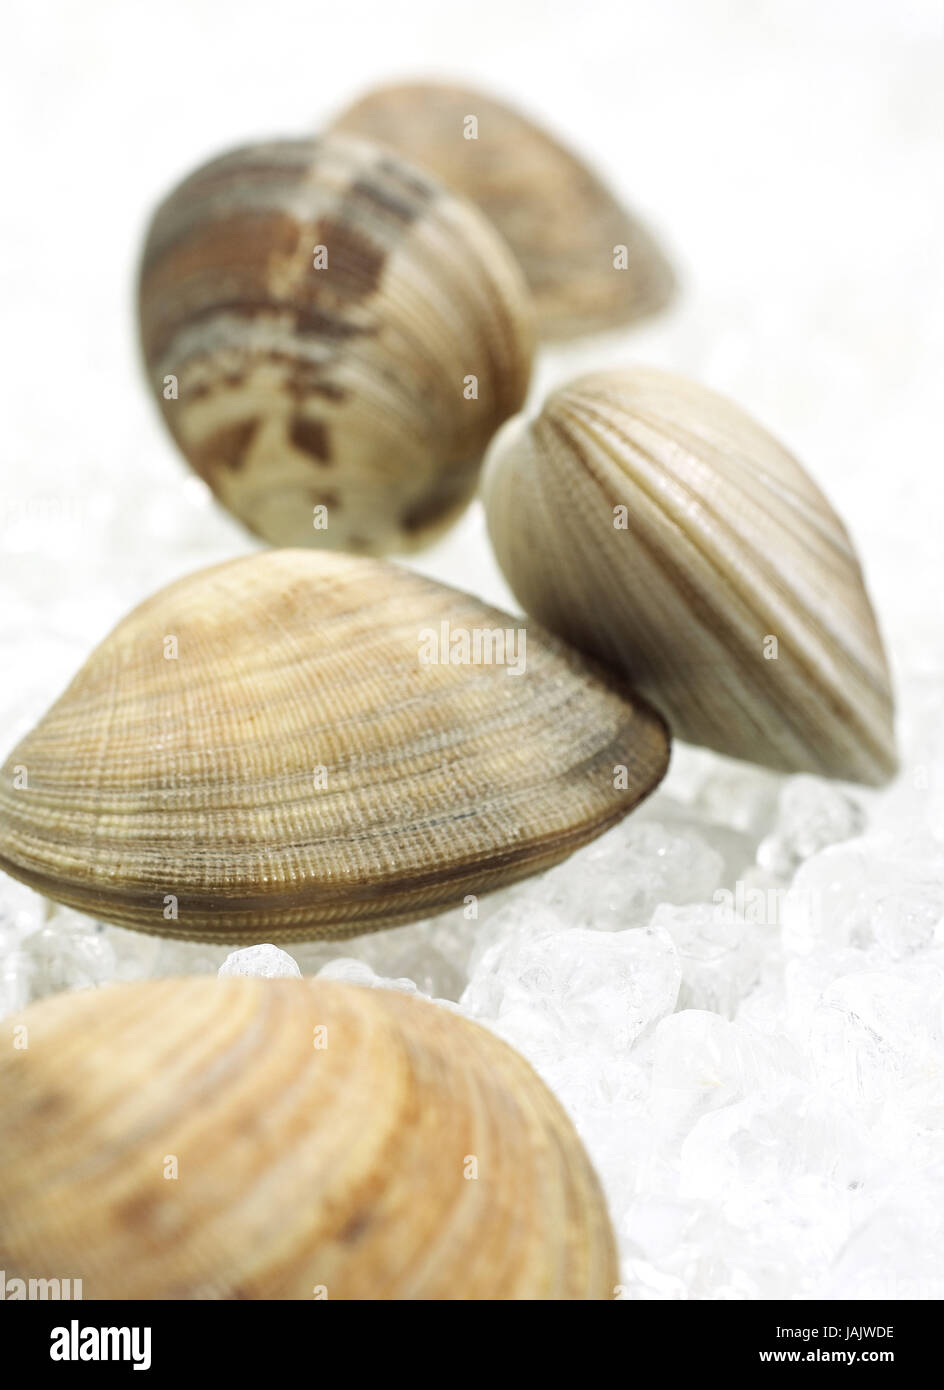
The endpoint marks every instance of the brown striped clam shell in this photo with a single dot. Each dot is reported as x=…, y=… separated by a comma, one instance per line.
x=288, y=1139
x=305, y=763
x=590, y=264
x=333, y=339
x=656, y=526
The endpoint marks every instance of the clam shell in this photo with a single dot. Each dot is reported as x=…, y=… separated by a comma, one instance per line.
x=288, y=1139
x=368, y=386
x=559, y=218
x=723, y=542
x=300, y=768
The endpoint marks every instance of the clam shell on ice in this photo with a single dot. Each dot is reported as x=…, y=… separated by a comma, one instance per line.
x=589, y=263
x=299, y=744
x=333, y=339
x=288, y=1139
x=656, y=526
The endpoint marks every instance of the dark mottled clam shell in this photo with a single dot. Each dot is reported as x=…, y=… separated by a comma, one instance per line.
x=333, y=339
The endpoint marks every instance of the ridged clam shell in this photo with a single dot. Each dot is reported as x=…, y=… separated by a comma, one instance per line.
x=288, y=1139
x=727, y=542
x=556, y=214
x=346, y=386
x=297, y=771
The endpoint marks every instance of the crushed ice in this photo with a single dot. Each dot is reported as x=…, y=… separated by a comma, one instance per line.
x=737, y=994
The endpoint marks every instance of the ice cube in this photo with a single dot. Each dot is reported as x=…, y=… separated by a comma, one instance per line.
x=879, y=889
x=811, y=815
x=264, y=960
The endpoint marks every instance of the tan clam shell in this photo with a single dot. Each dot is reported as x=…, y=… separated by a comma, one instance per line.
x=348, y=386
x=727, y=542
x=556, y=214
x=297, y=771
x=329, y=1141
